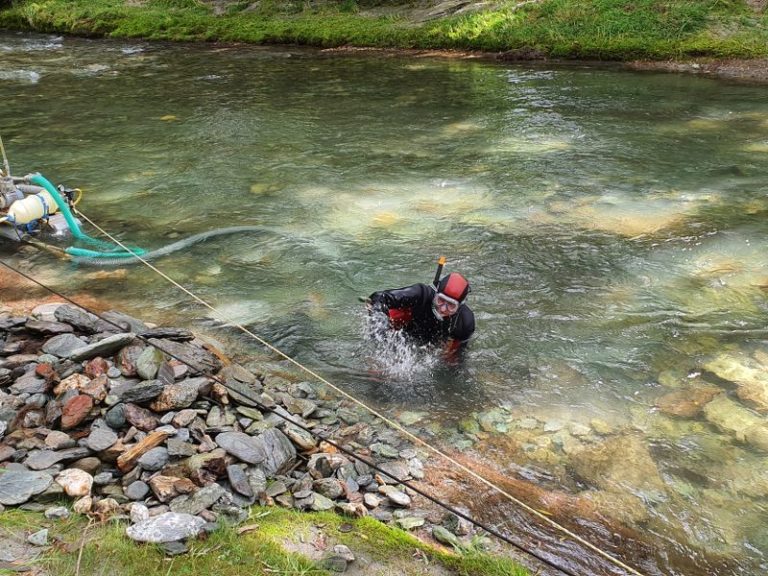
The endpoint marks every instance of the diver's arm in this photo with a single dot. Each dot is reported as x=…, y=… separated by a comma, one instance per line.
x=409, y=296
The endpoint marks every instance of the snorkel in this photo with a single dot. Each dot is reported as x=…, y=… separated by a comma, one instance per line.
x=435, y=282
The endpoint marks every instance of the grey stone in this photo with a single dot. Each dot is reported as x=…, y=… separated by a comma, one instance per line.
x=279, y=450
x=137, y=490
x=178, y=447
x=63, y=345
x=100, y=438
x=29, y=383
x=47, y=327
x=18, y=486
x=238, y=479
x=124, y=322
x=105, y=347
x=199, y=501
x=154, y=459
x=167, y=527
x=103, y=478
x=77, y=317
x=242, y=446
x=57, y=513
x=39, y=538
x=138, y=393
x=115, y=417
x=43, y=459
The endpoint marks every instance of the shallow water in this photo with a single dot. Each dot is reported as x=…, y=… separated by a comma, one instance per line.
x=612, y=225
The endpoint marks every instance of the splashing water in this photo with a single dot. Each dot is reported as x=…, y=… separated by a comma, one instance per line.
x=393, y=355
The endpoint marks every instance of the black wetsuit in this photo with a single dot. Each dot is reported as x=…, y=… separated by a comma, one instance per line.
x=410, y=309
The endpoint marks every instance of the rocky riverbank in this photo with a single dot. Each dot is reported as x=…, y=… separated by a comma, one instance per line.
x=156, y=427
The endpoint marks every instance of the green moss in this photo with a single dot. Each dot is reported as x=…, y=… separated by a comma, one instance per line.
x=607, y=29
x=257, y=551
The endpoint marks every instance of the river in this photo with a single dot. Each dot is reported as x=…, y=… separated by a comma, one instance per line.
x=612, y=225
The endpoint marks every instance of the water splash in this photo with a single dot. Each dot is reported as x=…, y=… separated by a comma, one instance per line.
x=393, y=355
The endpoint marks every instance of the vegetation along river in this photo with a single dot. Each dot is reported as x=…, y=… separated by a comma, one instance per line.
x=612, y=224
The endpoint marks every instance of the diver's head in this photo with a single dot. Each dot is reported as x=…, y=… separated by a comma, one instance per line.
x=451, y=292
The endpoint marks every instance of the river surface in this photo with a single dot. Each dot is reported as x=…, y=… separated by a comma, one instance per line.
x=612, y=225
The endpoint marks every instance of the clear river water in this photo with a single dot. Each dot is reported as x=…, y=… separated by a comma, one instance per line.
x=612, y=224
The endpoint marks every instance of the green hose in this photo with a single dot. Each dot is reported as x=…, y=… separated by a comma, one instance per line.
x=112, y=250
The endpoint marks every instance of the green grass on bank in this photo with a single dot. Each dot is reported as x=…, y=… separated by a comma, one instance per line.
x=104, y=550
x=603, y=29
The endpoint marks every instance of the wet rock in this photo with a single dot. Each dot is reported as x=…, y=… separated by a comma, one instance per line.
x=124, y=322
x=757, y=437
x=384, y=450
x=687, y=403
x=750, y=376
x=168, y=527
x=730, y=417
x=18, y=486
x=604, y=465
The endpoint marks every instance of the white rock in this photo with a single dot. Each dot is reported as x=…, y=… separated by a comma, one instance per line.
x=75, y=482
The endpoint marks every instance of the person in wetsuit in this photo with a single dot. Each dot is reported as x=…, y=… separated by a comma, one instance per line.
x=428, y=314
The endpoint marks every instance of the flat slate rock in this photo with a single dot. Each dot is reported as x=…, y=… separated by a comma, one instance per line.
x=63, y=345
x=18, y=486
x=241, y=446
x=105, y=347
x=167, y=527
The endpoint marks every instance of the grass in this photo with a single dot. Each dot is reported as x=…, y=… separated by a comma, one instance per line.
x=602, y=29
x=104, y=550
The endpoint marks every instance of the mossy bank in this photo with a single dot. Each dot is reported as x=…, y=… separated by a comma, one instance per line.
x=621, y=30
